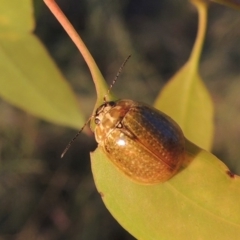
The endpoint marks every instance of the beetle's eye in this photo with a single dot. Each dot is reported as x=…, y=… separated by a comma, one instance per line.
x=111, y=104
x=97, y=121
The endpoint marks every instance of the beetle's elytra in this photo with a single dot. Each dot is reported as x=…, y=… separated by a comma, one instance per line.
x=144, y=143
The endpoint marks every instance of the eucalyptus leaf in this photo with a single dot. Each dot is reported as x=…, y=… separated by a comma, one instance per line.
x=200, y=202
x=29, y=78
x=186, y=99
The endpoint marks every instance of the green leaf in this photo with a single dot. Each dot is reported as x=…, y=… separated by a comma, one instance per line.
x=185, y=97
x=186, y=100
x=16, y=16
x=29, y=78
x=200, y=202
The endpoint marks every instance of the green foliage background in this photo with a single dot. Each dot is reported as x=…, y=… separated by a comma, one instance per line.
x=44, y=196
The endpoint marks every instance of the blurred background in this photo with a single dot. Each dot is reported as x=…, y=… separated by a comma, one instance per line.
x=44, y=197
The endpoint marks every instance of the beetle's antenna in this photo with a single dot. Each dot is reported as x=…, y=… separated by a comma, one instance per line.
x=104, y=99
x=115, y=79
x=74, y=138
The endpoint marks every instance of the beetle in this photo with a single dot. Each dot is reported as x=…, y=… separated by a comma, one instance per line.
x=142, y=142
